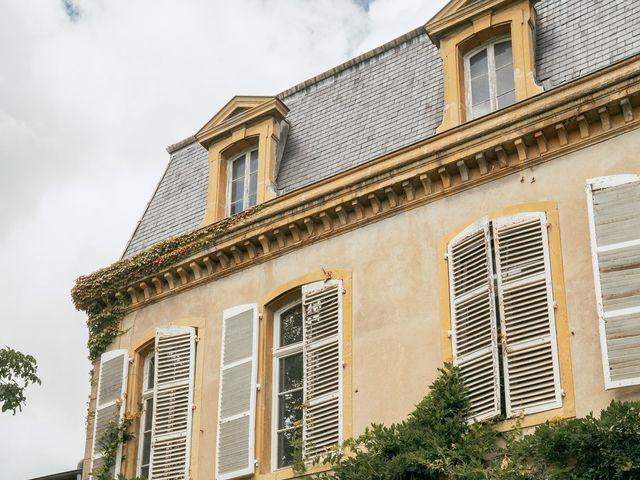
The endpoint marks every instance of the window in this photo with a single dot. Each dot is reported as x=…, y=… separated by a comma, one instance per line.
x=146, y=417
x=489, y=81
x=242, y=182
x=614, y=220
x=502, y=316
x=288, y=379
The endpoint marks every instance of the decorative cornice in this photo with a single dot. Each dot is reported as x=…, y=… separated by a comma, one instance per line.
x=550, y=125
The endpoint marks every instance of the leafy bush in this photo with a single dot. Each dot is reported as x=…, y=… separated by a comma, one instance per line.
x=436, y=443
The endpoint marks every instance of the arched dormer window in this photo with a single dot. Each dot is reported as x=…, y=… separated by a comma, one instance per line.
x=489, y=80
x=242, y=182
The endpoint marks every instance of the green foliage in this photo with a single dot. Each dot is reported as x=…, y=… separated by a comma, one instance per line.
x=17, y=372
x=101, y=296
x=436, y=443
x=116, y=434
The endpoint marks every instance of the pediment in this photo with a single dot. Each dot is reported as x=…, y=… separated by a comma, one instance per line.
x=458, y=12
x=238, y=111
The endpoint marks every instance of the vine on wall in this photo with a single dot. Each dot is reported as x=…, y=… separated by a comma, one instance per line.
x=100, y=293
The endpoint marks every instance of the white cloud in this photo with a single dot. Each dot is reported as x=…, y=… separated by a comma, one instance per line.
x=86, y=109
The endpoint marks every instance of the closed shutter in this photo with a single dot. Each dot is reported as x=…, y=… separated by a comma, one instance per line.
x=614, y=217
x=473, y=318
x=172, y=402
x=110, y=401
x=529, y=353
x=322, y=352
x=237, y=402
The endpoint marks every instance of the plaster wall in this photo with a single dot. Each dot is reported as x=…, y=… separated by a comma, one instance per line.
x=396, y=288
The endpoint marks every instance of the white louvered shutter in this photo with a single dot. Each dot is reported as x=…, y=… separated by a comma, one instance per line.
x=322, y=352
x=614, y=217
x=473, y=318
x=238, y=384
x=110, y=401
x=529, y=347
x=172, y=403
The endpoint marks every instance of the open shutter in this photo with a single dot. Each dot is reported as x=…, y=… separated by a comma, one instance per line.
x=473, y=318
x=529, y=353
x=237, y=402
x=110, y=404
x=322, y=352
x=172, y=403
x=614, y=218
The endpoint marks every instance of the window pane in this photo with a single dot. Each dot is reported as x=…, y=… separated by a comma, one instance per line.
x=507, y=99
x=285, y=449
x=478, y=64
x=481, y=109
x=237, y=168
x=144, y=473
x=150, y=372
x=502, y=52
x=253, y=184
x=290, y=410
x=254, y=161
x=479, y=90
x=146, y=448
x=290, y=372
x=291, y=326
x=148, y=414
x=235, y=208
x=504, y=80
x=237, y=191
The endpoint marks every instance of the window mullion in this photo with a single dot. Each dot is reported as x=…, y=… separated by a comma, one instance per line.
x=491, y=65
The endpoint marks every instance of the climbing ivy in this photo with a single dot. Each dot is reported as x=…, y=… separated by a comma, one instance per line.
x=99, y=294
x=437, y=443
x=116, y=434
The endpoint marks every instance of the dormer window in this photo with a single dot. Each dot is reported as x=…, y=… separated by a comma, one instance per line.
x=489, y=78
x=243, y=182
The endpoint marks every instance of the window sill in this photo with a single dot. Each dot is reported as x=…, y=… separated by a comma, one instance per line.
x=564, y=412
x=288, y=473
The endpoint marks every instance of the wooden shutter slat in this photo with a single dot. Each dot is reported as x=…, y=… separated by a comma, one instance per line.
x=322, y=357
x=614, y=220
x=529, y=353
x=237, y=393
x=110, y=401
x=473, y=318
x=173, y=401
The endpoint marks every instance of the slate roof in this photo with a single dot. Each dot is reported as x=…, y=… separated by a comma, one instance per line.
x=384, y=100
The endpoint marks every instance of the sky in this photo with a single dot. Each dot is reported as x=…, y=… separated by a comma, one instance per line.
x=91, y=93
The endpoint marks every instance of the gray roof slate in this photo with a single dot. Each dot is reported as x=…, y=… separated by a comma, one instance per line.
x=384, y=100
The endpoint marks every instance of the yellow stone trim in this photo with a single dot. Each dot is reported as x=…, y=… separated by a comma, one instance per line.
x=561, y=317
x=458, y=29
x=137, y=351
x=268, y=304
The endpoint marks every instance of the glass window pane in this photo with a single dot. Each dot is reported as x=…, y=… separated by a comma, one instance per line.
x=479, y=90
x=291, y=325
x=237, y=168
x=502, y=53
x=285, y=448
x=237, y=191
x=507, y=99
x=481, y=109
x=290, y=409
x=144, y=472
x=148, y=414
x=478, y=64
x=253, y=186
x=151, y=371
x=146, y=448
x=504, y=80
x=254, y=161
x=252, y=201
x=235, y=208
x=290, y=372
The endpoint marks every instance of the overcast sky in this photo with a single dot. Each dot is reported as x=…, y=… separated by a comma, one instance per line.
x=91, y=93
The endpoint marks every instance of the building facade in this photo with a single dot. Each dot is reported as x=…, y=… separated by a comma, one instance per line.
x=469, y=192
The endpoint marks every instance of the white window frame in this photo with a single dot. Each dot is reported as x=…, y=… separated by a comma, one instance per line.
x=278, y=353
x=246, y=179
x=147, y=394
x=491, y=65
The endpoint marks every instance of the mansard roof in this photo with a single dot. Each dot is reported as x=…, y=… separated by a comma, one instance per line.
x=384, y=100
